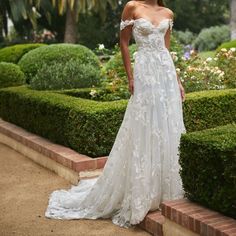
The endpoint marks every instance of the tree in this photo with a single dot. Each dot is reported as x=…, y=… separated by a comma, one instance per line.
x=72, y=8
x=198, y=14
x=30, y=9
x=233, y=19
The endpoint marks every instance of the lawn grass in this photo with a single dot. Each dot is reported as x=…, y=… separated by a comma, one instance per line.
x=206, y=54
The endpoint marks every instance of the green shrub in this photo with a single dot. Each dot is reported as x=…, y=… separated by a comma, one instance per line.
x=96, y=93
x=14, y=53
x=115, y=67
x=184, y=37
x=227, y=45
x=208, y=109
x=10, y=75
x=31, y=62
x=226, y=61
x=90, y=127
x=208, y=167
x=66, y=75
x=86, y=126
x=211, y=38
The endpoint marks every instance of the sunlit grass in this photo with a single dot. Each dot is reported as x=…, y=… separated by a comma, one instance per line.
x=206, y=54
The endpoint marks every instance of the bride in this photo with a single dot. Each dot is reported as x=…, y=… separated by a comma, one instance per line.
x=142, y=169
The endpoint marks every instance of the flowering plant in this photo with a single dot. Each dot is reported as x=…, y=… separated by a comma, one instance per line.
x=198, y=74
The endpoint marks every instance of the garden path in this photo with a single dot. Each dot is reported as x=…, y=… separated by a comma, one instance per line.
x=24, y=190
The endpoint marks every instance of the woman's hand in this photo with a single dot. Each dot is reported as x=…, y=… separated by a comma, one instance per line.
x=131, y=86
x=182, y=92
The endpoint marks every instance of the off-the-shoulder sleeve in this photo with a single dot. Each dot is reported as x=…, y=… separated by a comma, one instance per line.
x=171, y=23
x=125, y=23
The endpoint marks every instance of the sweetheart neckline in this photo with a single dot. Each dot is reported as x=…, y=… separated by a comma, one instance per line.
x=155, y=26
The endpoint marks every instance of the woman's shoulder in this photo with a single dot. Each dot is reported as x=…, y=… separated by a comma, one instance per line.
x=168, y=12
x=131, y=4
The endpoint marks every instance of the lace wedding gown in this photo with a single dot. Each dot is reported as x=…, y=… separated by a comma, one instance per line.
x=142, y=169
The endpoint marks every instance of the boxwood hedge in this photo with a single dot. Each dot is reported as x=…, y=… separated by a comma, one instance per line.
x=60, y=53
x=90, y=127
x=208, y=109
x=10, y=75
x=14, y=53
x=208, y=167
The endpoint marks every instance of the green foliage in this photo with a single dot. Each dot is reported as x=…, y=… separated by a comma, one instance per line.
x=68, y=75
x=10, y=75
x=226, y=61
x=34, y=60
x=198, y=14
x=218, y=72
x=227, y=45
x=184, y=37
x=208, y=161
x=14, y=53
x=97, y=93
x=86, y=126
x=206, y=54
x=208, y=109
x=90, y=127
x=115, y=66
x=211, y=38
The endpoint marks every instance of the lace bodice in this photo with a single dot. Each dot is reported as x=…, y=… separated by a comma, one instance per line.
x=147, y=35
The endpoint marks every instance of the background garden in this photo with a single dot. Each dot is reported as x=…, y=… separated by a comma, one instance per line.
x=62, y=77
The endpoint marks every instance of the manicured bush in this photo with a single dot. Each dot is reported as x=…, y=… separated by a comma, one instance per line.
x=86, y=126
x=14, y=53
x=227, y=45
x=33, y=61
x=90, y=127
x=184, y=37
x=211, y=38
x=208, y=167
x=68, y=75
x=208, y=109
x=10, y=75
x=96, y=93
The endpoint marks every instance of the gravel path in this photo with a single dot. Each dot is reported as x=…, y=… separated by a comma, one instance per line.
x=24, y=190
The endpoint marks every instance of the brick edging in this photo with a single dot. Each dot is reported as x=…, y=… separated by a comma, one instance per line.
x=63, y=155
x=198, y=219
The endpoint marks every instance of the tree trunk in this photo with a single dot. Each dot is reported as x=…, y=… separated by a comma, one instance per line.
x=1, y=29
x=233, y=19
x=71, y=23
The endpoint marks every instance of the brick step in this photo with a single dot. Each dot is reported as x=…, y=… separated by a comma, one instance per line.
x=63, y=155
x=198, y=219
x=153, y=222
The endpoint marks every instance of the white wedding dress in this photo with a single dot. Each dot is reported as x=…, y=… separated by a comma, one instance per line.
x=142, y=169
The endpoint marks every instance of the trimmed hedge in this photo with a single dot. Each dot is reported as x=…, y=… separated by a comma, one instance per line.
x=60, y=53
x=14, y=53
x=208, y=161
x=208, y=109
x=202, y=110
x=10, y=75
x=90, y=127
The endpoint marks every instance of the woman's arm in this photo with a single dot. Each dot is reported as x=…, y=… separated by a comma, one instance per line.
x=125, y=36
x=167, y=44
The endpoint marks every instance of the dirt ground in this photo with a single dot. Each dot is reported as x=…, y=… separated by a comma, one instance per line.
x=24, y=190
